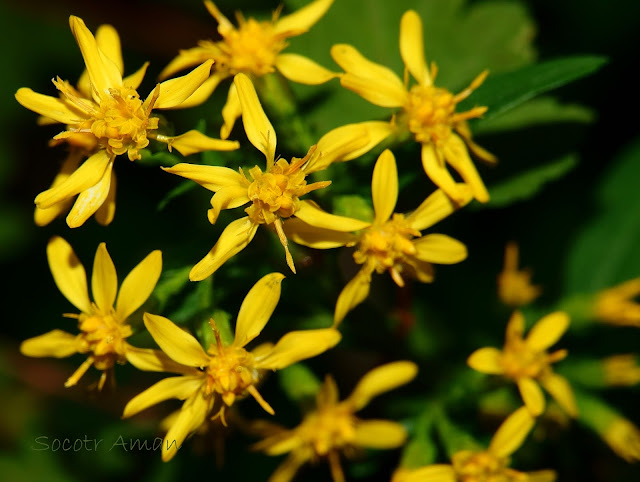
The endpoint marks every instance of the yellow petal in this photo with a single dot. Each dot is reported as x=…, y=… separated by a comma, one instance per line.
x=347, y=142
x=515, y=327
x=376, y=83
x=212, y=178
x=421, y=270
x=547, y=331
x=303, y=19
x=104, y=280
x=68, y=273
x=511, y=434
x=542, y=476
x=42, y=217
x=430, y=473
x=175, y=342
x=106, y=212
x=298, y=345
x=435, y=168
x=224, y=25
x=257, y=307
x=175, y=91
x=87, y=175
x=172, y=387
x=256, y=124
x=185, y=59
x=457, y=155
x=203, y=92
x=228, y=197
x=354, y=293
x=51, y=107
x=192, y=415
x=56, y=343
x=150, y=360
x=380, y=434
x=194, y=141
x=412, y=47
x=532, y=395
x=302, y=233
x=108, y=41
x=139, y=284
x=231, y=111
x=236, y=236
x=560, y=389
x=486, y=360
x=310, y=213
x=380, y=380
x=303, y=70
x=384, y=186
x=90, y=200
x=440, y=249
x=103, y=72
x=286, y=471
x=435, y=208
x=134, y=80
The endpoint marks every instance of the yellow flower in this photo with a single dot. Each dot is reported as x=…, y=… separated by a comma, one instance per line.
x=107, y=113
x=527, y=362
x=334, y=428
x=230, y=371
x=621, y=370
x=273, y=194
x=623, y=437
x=392, y=242
x=489, y=465
x=514, y=285
x=617, y=305
x=103, y=326
x=255, y=49
x=429, y=112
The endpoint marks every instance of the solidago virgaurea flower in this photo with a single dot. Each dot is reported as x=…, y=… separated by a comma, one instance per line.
x=428, y=112
x=392, y=242
x=487, y=465
x=333, y=427
x=514, y=285
x=273, y=194
x=526, y=361
x=103, y=321
x=255, y=49
x=217, y=377
x=617, y=305
x=107, y=114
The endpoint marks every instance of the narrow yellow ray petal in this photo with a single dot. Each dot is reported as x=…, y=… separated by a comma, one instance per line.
x=106, y=212
x=440, y=249
x=134, y=80
x=56, y=343
x=68, y=273
x=202, y=93
x=384, y=186
x=434, y=166
x=380, y=434
x=236, y=236
x=228, y=197
x=412, y=47
x=224, y=25
x=430, y=473
x=192, y=415
x=298, y=345
x=253, y=391
x=486, y=360
x=286, y=471
x=185, y=59
x=303, y=70
x=436, y=207
x=380, y=380
x=50, y=107
x=547, y=331
x=511, y=433
x=354, y=293
x=172, y=387
x=318, y=238
x=175, y=91
x=150, y=360
x=212, y=178
x=457, y=155
x=86, y=176
x=108, y=41
x=560, y=389
x=90, y=200
x=175, y=342
x=256, y=124
x=104, y=280
x=231, y=111
x=532, y=395
x=310, y=213
x=139, y=284
x=302, y=20
x=192, y=142
x=257, y=307
x=41, y=216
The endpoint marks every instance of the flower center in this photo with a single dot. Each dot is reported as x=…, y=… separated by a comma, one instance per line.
x=386, y=244
x=431, y=112
x=518, y=360
x=105, y=336
x=230, y=372
x=252, y=48
x=330, y=428
x=480, y=467
x=122, y=121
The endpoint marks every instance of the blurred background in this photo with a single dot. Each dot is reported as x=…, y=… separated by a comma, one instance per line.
x=580, y=232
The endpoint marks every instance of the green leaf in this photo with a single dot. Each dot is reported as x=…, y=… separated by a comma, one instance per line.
x=171, y=283
x=299, y=382
x=605, y=251
x=160, y=158
x=528, y=183
x=353, y=206
x=222, y=321
x=502, y=92
x=181, y=189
